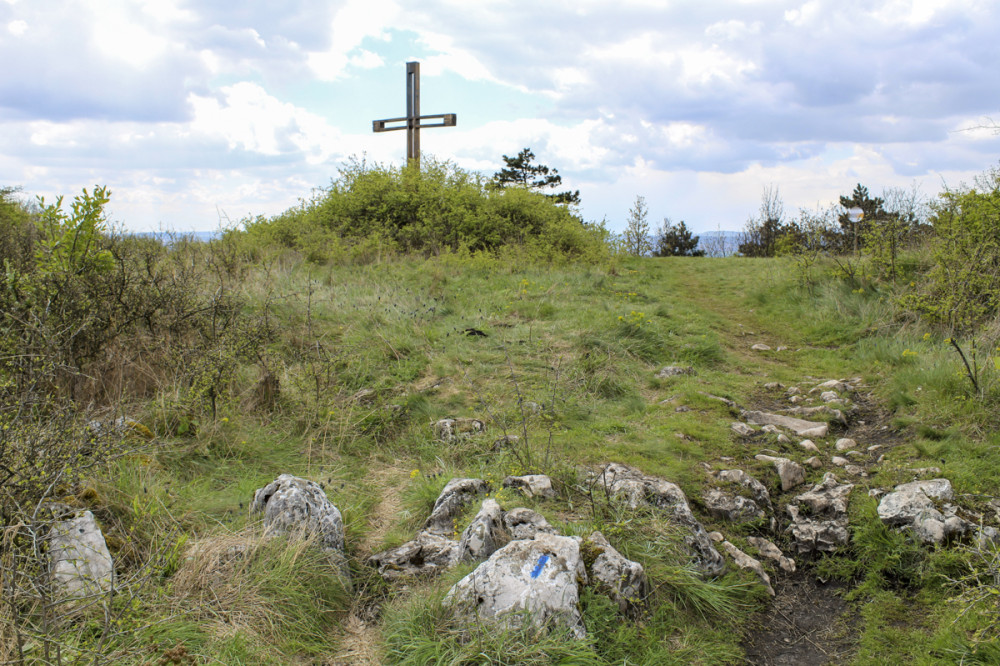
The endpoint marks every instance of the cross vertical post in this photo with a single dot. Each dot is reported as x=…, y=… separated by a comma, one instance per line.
x=413, y=112
x=413, y=121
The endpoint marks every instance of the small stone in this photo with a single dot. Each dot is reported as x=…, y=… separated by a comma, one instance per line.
x=781, y=348
x=828, y=396
x=716, y=537
x=674, y=371
x=795, y=399
x=790, y=473
x=682, y=409
x=783, y=438
x=744, y=561
x=771, y=429
x=742, y=429
x=854, y=470
x=876, y=492
x=795, y=390
x=845, y=444
x=873, y=448
x=772, y=552
x=838, y=461
x=814, y=462
x=809, y=445
x=760, y=347
x=449, y=430
x=774, y=386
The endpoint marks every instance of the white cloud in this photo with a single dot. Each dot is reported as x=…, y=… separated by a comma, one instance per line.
x=17, y=28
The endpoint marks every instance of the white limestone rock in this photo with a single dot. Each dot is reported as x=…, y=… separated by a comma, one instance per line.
x=770, y=551
x=819, y=517
x=532, y=485
x=484, y=535
x=79, y=560
x=525, y=524
x=922, y=507
x=791, y=473
x=800, y=427
x=612, y=573
x=528, y=580
x=744, y=561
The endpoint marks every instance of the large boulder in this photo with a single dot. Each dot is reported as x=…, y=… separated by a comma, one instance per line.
x=79, y=561
x=292, y=504
x=819, y=517
x=922, y=507
x=296, y=506
x=613, y=574
x=638, y=490
x=530, y=580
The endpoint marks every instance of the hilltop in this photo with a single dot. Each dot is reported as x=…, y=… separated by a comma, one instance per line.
x=382, y=374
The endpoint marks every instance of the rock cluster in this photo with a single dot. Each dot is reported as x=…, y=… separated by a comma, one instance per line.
x=819, y=517
x=924, y=508
x=637, y=490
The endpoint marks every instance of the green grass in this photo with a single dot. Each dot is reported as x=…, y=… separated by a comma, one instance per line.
x=583, y=342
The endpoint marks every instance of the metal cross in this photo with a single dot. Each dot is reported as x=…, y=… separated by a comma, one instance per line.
x=413, y=118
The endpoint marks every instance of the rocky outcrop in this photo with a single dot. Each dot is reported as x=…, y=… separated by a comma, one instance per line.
x=527, y=581
x=614, y=575
x=433, y=549
x=79, y=561
x=637, y=489
x=819, y=517
x=922, y=506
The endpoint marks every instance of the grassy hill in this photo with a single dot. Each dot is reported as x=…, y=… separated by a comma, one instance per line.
x=257, y=362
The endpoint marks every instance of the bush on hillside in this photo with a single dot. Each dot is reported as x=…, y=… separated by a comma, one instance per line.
x=962, y=289
x=436, y=207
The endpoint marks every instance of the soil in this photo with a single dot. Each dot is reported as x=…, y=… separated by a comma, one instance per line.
x=807, y=624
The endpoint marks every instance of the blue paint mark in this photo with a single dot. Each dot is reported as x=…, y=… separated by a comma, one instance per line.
x=542, y=561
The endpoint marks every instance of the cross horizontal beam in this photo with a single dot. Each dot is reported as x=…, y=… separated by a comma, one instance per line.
x=447, y=120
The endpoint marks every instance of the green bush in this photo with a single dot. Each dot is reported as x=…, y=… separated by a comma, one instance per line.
x=430, y=209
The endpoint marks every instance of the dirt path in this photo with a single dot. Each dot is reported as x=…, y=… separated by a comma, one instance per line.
x=361, y=644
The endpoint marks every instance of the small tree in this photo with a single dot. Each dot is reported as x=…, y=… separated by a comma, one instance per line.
x=637, y=229
x=675, y=240
x=761, y=234
x=521, y=171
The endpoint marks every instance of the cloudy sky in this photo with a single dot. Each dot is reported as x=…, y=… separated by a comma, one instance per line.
x=196, y=111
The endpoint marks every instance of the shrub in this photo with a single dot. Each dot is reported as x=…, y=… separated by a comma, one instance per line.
x=426, y=209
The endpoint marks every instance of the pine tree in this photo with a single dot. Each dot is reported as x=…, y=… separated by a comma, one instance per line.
x=675, y=240
x=521, y=171
x=637, y=229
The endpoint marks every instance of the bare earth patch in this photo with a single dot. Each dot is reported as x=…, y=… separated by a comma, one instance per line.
x=807, y=624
